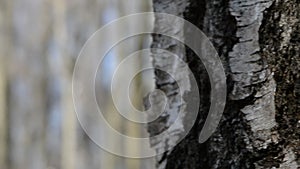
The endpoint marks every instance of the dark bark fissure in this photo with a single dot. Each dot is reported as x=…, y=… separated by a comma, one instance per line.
x=189, y=153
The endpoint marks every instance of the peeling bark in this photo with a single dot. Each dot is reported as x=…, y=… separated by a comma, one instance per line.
x=165, y=82
x=258, y=42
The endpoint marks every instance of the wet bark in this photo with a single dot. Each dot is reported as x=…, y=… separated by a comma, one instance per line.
x=258, y=42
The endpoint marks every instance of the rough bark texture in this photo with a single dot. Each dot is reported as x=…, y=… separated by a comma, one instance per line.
x=165, y=82
x=258, y=42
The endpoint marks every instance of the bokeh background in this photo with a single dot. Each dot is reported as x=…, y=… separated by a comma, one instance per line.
x=39, y=43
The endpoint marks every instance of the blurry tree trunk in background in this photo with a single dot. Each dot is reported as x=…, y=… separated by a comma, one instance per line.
x=27, y=99
x=3, y=114
x=137, y=42
x=5, y=44
x=40, y=40
x=69, y=121
x=259, y=43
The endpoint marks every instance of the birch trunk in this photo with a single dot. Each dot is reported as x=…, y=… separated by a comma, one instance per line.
x=258, y=42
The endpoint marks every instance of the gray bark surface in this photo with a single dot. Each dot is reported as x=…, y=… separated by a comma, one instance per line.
x=258, y=42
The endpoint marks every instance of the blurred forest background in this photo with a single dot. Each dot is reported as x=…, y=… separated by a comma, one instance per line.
x=40, y=40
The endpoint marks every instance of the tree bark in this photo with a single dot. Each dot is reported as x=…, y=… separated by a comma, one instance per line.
x=258, y=42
